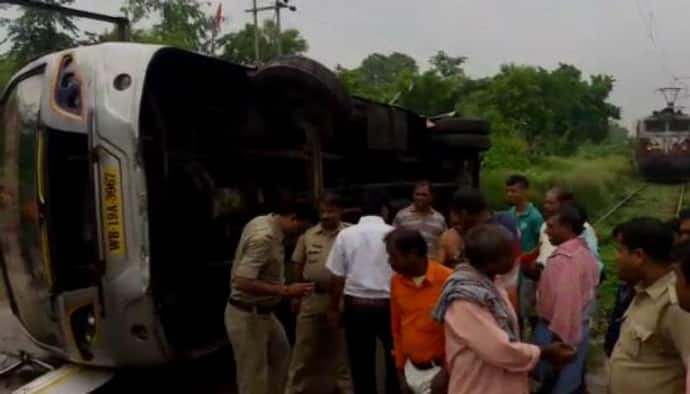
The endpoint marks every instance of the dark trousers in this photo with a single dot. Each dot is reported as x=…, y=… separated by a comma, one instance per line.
x=364, y=323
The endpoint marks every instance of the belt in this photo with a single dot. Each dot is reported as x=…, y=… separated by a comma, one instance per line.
x=427, y=365
x=243, y=306
x=375, y=302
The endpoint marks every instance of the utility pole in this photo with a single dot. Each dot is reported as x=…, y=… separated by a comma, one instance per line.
x=276, y=7
x=256, y=32
x=277, y=38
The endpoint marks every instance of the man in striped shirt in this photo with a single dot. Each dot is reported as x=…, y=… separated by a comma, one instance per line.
x=422, y=217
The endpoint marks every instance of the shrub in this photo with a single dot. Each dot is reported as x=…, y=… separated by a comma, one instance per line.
x=594, y=178
x=507, y=151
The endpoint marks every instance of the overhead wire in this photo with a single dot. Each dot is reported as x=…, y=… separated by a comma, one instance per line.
x=649, y=24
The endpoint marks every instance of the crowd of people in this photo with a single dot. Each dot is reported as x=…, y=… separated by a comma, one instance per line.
x=487, y=302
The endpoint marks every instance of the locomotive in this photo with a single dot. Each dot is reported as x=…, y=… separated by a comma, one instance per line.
x=663, y=142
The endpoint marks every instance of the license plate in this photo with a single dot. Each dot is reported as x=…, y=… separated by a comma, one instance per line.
x=112, y=212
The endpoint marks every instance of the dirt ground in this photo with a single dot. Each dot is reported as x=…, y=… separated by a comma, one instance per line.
x=13, y=340
x=213, y=374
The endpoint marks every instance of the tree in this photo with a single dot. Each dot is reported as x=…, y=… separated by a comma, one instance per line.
x=380, y=69
x=448, y=66
x=180, y=23
x=554, y=110
x=38, y=32
x=357, y=84
x=437, y=90
x=396, y=78
x=7, y=68
x=239, y=46
x=380, y=77
x=429, y=94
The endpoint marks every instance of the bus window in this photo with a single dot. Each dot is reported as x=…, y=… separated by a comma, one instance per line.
x=70, y=210
x=27, y=261
x=19, y=172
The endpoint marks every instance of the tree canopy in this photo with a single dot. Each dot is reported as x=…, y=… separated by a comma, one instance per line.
x=180, y=23
x=37, y=32
x=239, y=46
x=555, y=110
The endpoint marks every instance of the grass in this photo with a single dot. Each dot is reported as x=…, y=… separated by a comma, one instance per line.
x=597, y=182
x=598, y=177
x=655, y=200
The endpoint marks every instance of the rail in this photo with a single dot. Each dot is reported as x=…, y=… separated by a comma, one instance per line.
x=676, y=208
x=620, y=204
x=679, y=205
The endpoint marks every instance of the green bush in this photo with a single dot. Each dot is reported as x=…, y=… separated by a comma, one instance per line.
x=507, y=151
x=597, y=180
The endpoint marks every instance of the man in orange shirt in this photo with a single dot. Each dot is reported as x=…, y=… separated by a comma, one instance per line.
x=418, y=340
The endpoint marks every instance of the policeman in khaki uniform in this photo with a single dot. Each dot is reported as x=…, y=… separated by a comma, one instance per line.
x=319, y=361
x=259, y=343
x=652, y=352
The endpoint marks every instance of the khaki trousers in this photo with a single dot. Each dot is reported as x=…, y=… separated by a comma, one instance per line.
x=319, y=361
x=261, y=350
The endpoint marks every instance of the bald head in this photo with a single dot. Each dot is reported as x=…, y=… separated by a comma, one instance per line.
x=555, y=198
x=489, y=249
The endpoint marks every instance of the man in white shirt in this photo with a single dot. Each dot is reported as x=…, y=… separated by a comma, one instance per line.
x=359, y=264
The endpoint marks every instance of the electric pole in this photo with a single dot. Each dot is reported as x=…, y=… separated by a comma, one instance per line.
x=256, y=31
x=276, y=7
x=277, y=38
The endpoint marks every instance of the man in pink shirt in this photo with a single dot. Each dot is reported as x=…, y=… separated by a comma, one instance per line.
x=566, y=289
x=484, y=354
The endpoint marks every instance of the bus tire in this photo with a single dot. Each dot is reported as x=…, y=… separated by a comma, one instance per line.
x=299, y=82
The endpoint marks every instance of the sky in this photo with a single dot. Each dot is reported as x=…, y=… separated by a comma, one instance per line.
x=642, y=43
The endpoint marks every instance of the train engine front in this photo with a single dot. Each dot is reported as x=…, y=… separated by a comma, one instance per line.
x=663, y=145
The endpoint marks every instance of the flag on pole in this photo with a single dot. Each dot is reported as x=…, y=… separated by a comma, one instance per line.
x=218, y=18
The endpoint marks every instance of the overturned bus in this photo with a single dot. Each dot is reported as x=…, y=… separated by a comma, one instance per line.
x=128, y=172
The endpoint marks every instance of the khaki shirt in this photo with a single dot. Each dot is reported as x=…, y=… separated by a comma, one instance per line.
x=312, y=250
x=651, y=354
x=259, y=255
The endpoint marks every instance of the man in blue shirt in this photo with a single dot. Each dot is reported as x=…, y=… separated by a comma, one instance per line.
x=527, y=215
x=529, y=221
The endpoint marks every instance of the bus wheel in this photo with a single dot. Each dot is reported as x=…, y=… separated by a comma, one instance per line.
x=304, y=88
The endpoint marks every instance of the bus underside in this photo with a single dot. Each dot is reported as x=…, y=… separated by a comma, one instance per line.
x=222, y=144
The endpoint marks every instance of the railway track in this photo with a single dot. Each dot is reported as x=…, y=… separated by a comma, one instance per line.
x=681, y=199
x=663, y=201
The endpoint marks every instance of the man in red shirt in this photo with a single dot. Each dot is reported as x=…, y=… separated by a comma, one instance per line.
x=418, y=340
